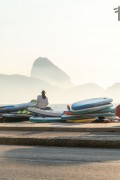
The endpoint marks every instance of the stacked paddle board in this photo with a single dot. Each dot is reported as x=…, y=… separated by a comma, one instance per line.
x=45, y=116
x=17, y=111
x=90, y=109
x=16, y=107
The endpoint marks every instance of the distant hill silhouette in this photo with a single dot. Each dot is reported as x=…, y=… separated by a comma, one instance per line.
x=114, y=92
x=18, y=88
x=85, y=91
x=45, y=70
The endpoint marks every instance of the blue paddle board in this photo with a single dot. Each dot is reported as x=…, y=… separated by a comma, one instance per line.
x=9, y=115
x=6, y=109
x=45, y=112
x=7, y=106
x=86, y=116
x=110, y=109
x=88, y=103
x=45, y=119
x=92, y=109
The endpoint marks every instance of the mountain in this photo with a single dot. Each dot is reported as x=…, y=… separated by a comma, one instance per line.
x=18, y=88
x=85, y=91
x=45, y=70
x=45, y=75
x=114, y=92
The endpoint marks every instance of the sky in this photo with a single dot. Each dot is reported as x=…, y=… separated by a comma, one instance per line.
x=82, y=37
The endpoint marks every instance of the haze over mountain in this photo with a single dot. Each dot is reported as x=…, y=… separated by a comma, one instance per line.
x=45, y=70
x=18, y=88
x=114, y=92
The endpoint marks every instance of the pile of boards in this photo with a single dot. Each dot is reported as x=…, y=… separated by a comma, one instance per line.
x=89, y=110
x=80, y=112
x=16, y=112
x=45, y=116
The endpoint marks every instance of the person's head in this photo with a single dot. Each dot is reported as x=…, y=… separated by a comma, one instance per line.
x=43, y=94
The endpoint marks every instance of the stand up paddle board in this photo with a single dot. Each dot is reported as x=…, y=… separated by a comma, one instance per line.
x=45, y=119
x=45, y=112
x=88, y=103
x=6, y=109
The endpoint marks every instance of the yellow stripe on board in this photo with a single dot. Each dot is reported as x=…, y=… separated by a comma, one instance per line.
x=22, y=111
x=81, y=120
x=19, y=111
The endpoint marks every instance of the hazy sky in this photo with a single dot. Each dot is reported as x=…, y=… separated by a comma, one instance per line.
x=82, y=37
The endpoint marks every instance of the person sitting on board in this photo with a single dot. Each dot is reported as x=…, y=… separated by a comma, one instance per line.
x=42, y=101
